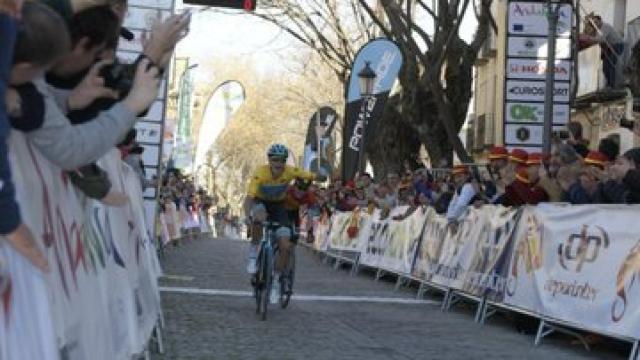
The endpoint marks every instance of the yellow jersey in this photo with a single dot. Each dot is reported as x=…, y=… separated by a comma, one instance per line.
x=264, y=186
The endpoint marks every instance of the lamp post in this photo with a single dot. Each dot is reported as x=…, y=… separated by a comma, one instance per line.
x=553, y=14
x=367, y=79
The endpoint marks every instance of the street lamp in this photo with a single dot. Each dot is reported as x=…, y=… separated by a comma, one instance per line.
x=367, y=79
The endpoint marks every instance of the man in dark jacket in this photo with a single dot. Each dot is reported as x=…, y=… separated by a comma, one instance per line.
x=11, y=226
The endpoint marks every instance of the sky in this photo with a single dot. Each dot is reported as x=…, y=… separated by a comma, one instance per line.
x=218, y=33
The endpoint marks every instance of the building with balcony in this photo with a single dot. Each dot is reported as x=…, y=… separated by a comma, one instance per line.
x=599, y=109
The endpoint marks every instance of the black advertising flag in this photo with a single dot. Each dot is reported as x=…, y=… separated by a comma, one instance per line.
x=318, y=143
x=385, y=59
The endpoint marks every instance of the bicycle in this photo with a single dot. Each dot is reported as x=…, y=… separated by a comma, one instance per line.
x=287, y=277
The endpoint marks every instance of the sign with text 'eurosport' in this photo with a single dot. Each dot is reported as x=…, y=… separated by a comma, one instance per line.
x=534, y=91
x=536, y=69
x=521, y=112
x=530, y=18
x=536, y=47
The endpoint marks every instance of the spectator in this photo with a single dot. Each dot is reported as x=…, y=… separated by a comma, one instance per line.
x=464, y=194
x=610, y=148
x=611, y=46
x=580, y=145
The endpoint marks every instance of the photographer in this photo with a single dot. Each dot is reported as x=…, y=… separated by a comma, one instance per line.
x=87, y=142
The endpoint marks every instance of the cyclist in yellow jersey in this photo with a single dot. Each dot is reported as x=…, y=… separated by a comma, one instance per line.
x=265, y=201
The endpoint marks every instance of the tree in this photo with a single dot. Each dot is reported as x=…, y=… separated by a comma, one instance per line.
x=275, y=110
x=436, y=79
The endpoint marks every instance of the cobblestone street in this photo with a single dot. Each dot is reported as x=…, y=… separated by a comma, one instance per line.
x=336, y=316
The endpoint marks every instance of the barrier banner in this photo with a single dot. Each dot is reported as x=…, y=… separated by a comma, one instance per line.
x=458, y=248
x=377, y=238
x=579, y=264
x=101, y=299
x=347, y=228
x=486, y=272
x=428, y=255
x=404, y=238
x=321, y=229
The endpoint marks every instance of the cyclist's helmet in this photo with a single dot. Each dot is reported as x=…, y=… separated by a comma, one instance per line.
x=278, y=150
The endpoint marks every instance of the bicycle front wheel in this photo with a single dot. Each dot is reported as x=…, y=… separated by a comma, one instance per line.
x=267, y=278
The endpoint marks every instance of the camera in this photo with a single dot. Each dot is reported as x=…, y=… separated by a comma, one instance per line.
x=119, y=77
x=627, y=124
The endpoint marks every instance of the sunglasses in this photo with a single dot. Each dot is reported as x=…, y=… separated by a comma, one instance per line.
x=277, y=159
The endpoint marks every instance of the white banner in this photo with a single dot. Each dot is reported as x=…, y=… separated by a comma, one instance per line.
x=525, y=134
x=537, y=47
x=530, y=18
x=536, y=69
x=579, y=264
x=101, y=299
x=347, y=228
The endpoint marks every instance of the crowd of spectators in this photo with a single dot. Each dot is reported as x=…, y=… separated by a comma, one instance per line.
x=63, y=88
x=186, y=209
x=571, y=174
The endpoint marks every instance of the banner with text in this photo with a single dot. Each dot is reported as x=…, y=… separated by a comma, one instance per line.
x=579, y=264
x=101, y=299
x=385, y=59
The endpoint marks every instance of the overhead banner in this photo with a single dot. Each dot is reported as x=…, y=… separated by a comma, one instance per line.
x=224, y=101
x=319, y=145
x=579, y=264
x=386, y=60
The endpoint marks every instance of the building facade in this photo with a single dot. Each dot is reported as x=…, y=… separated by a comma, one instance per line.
x=597, y=108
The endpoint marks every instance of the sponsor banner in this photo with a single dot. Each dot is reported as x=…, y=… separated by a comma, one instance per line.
x=101, y=299
x=347, y=228
x=526, y=135
x=319, y=145
x=225, y=100
x=321, y=229
x=433, y=235
x=385, y=59
x=404, y=239
x=458, y=249
x=530, y=18
x=558, y=260
x=485, y=274
x=537, y=69
x=537, y=47
x=148, y=132
x=377, y=238
x=521, y=112
x=520, y=90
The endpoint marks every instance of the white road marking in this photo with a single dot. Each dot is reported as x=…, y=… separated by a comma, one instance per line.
x=336, y=298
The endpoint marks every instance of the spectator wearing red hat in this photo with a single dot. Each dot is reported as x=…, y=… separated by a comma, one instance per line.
x=524, y=189
x=498, y=158
x=464, y=195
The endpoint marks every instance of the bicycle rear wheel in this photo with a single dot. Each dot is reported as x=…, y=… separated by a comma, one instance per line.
x=286, y=281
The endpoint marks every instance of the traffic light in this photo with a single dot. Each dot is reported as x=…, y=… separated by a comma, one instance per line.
x=248, y=5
